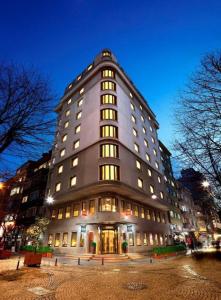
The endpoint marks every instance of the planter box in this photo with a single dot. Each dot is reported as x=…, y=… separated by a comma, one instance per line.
x=32, y=259
x=5, y=254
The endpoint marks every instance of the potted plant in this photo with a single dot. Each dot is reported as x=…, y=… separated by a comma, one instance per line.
x=124, y=247
x=34, y=255
x=93, y=246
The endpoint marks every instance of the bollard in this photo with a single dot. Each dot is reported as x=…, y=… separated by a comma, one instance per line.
x=151, y=261
x=102, y=261
x=56, y=262
x=79, y=261
x=18, y=263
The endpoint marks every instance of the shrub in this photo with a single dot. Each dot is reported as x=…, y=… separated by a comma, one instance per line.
x=41, y=249
x=169, y=249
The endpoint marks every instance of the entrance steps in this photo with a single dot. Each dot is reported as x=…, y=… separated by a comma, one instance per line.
x=76, y=256
x=134, y=256
x=110, y=257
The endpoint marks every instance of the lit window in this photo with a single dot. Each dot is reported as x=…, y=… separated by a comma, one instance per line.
x=159, y=179
x=64, y=138
x=60, y=213
x=151, y=128
x=151, y=239
x=81, y=91
x=108, y=99
x=60, y=169
x=153, y=139
x=142, y=213
x=69, y=101
x=57, y=240
x=138, y=235
x=138, y=164
x=80, y=102
x=67, y=113
x=156, y=164
x=70, y=85
x=50, y=239
x=65, y=239
x=108, y=204
x=109, y=131
x=76, y=210
x=77, y=144
x=108, y=85
x=73, y=239
x=89, y=67
x=78, y=129
x=79, y=78
x=155, y=152
x=140, y=183
x=136, y=147
x=148, y=214
x=144, y=130
x=106, y=53
x=58, y=187
x=145, y=238
x=149, y=118
x=79, y=114
x=161, y=195
x=146, y=143
x=131, y=238
x=151, y=189
x=109, y=172
x=141, y=108
x=108, y=114
x=66, y=124
x=109, y=150
x=147, y=157
x=142, y=118
x=133, y=119
x=75, y=162
x=24, y=199
x=62, y=152
x=108, y=73
x=136, y=212
x=84, y=210
x=149, y=172
x=161, y=150
x=73, y=181
x=134, y=132
x=132, y=106
x=68, y=212
x=91, y=207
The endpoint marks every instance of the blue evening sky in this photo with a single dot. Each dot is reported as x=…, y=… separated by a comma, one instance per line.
x=158, y=43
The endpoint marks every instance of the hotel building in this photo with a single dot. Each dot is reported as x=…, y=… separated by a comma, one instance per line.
x=106, y=180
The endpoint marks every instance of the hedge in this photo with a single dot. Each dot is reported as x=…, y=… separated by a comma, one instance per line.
x=169, y=249
x=41, y=249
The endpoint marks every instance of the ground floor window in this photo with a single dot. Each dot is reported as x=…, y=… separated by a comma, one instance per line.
x=151, y=239
x=65, y=239
x=138, y=237
x=57, y=240
x=161, y=239
x=50, y=239
x=145, y=238
x=131, y=239
x=156, y=239
x=74, y=239
x=82, y=240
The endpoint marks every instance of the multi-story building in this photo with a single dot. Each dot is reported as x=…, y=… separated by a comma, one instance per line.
x=106, y=183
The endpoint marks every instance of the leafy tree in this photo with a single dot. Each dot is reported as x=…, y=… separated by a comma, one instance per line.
x=35, y=231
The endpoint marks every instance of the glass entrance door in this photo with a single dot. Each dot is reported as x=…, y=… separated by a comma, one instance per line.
x=108, y=241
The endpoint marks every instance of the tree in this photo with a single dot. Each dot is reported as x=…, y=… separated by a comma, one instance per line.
x=26, y=106
x=198, y=120
x=35, y=231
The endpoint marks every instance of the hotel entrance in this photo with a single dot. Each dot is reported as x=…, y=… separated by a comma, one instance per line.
x=108, y=240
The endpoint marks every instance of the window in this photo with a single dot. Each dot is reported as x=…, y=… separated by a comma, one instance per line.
x=109, y=150
x=91, y=207
x=154, y=215
x=58, y=187
x=79, y=77
x=161, y=195
x=66, y=124
x=80, y=102
x=153, y=139
x=151, y=189
x=65, y=239
x=141, y=108
x=108, y=204
x=133, y=119
x=142, y=213
x=131, y=95
x=146, y=143
x=60, y=213
x=76, y=144
x=140, y=183
x=84, y=210
x=64, y=138
x=109, y=172
x=142, y=118
x=89, y=67
x=57, y=240
x=155, y=152
x=122, y=205
x=149, y=172
x=109, y=131
x=136, y=212
x=24, y=199
x=151, y=128
x=78, y=115
x=82, y=239
x=148, y=214
x=70, y=85
x=62, y=152
x=134, y=132
x=69, y=101
x=78, y=129
x=147, y=157
x=68, y=212
x=81, y=91
x=156, y=164
x=73, y=181
x=54, y=214
x=151, y=239
x=76, y=210
x=67, y=113
x=131, y=239
x=138, y=164
x=108, y=73
x=138, y=237
x=144, y=130
x=75, y=162
x=128, y=209
x=108, y=85
x=156, y=239
x=161, y=239
x=132, y=106
x=136, y=147
x=145, y=238
x=108, y=114
x=50, y=239
x=73, y=239
x=60, y=169
x=108, y=99
x=106, y=53
x=159, y=179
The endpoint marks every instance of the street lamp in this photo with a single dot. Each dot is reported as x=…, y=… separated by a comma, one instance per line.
x=49, y=199
x=1, y=185
x=154, y=197
x=205, y=184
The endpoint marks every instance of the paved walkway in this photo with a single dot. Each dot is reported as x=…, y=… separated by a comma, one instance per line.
x=177, y=278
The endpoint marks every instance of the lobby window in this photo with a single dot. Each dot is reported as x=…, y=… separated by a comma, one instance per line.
x=80, y=102
x=142, y=213
x=156, y=239
x=82, y=239
x=68, y=212
x=133, y=119
x=60, y=213
x=76, y=210
x=54, y=214
x=161, y=195
x=132, y=106
x=108, y=73
x=161, y=239
x=109, y=99
x=156, y=164
x=108, y=204
x=78, y=115
x=50, y=239
x=146, y=143
x=60, y=169
x=151, y=189
x=64, y=138
x=148, y=214
x=91, y=207
x=65, y=239
x=73, y=181
x=149, y=172
x=78, y=129
x=69, y=101
x=57, y=240
x=145, y=238
x=142, y=118
x=109, y=131
x=147, y=157
x=74, y=239
x=109, y=172
x=58, y=187
x=106, y=53
x=66, y=124
x=138, y=238
x=140, y=183
x=109, y=150
x=108, y=85
x=155, y=152
x=138, y=164
x=144, y=130
x=81, y=91
x=74, y=162
x=159, y=179
x=131, y=239
x=62, y=152
x=151, y=239
x=67, y=113
x=136, y=211
x=136, y=147
x=134, y=132
x=108, y=114
x=77, y=144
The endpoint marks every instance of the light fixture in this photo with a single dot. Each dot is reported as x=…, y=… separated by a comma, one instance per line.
x=154, y=196
x=205, y=183
x=1, y=185
x=49, y=199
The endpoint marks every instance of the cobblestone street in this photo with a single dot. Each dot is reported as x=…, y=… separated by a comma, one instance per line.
x=179, y=278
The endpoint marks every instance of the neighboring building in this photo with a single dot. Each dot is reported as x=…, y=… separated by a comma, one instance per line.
x=106, y=178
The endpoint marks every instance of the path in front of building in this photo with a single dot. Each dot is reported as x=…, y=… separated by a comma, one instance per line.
x=177, y=278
